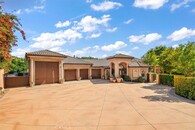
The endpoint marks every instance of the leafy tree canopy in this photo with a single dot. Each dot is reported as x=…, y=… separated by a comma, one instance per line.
x=180, y=60
x=9, y=24
x=19, y=65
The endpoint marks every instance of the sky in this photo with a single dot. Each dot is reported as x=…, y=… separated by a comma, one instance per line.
x=102, y=28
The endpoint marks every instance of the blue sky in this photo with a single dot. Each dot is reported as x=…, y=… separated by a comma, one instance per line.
x=102, y=28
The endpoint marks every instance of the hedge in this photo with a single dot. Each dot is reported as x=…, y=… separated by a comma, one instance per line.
x=185, y=86
x=126, y=77
x=167, y=79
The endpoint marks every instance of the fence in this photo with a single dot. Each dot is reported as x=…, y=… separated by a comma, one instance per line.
x=17, y=81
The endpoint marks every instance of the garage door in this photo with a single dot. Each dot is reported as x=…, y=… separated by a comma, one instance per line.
x=46, y=72
x=69, y=75
x=96, y=73
x=84, y=73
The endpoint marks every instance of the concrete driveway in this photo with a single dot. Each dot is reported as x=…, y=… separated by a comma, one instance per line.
x=96, y=104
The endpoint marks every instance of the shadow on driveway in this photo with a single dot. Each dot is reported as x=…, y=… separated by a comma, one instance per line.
x=164, y=94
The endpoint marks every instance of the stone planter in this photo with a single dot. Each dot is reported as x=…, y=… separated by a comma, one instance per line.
x=111, y=79
x=119, y=80
x=114, y=80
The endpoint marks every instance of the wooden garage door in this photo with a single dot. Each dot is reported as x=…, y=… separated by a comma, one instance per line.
x=69, y=75
x=96, y=73
x=46, y=72
x=84, y=73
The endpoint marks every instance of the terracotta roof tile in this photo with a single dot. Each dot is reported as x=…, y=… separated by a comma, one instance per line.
x=120, y=56
x=45, y=53
x=72, y=60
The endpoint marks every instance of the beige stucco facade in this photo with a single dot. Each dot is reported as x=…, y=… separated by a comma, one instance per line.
x=77, y=69
x=135, y=72
x=33, y=59
x=115, y=62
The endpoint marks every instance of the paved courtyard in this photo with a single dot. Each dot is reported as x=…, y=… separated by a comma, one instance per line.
x=95, y=105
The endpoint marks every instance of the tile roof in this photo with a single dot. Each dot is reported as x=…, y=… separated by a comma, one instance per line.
x=98, y=62
x=138, y=63
x=45, y=53
x=120, y=56
x=72, y=60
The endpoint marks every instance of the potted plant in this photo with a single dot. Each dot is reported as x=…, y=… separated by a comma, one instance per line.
x=111, y=79
x=114, y=80
x=119, y=80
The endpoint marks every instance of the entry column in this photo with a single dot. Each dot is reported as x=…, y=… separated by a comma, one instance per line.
x=127, y=71
x=89, y=74
x=116, y=65
x=78, y=74
x=32, y=73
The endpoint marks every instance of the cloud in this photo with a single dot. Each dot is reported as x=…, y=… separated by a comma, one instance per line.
x=87, y=51
x=135, y=48
x=88, y=27
x=95, y=35
x=145, y=39
x=19, y=52
x=104, y=56
x=106, y=5
x=64, y=24
x=193, y=10
x=149, y=4
x=91, y=24
x=123, y=52
x=50, y=40
x=18, y=11
x=37, y=8
x=175, y=46
x=178, y=5
x=88, y=1
x=115, y=46
x=181, y=34
x=128, y=21
x=111, y=29
x=56, y=49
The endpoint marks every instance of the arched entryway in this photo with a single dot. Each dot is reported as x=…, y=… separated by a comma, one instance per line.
x=123, y=68
x=112, y=69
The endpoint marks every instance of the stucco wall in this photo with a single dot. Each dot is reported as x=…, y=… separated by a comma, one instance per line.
x=33, y=59
x=1, y=78
x=76, y=66
x=139, y=72
x=18, y=81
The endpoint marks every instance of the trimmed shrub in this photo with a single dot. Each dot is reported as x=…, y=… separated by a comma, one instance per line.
x=185, y=86
x=139, y=79
x=126, y=78
x=166, y=79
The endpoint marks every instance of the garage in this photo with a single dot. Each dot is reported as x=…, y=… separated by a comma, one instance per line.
x=70, y=75
x=46, y=72
x=84, y=74
x=96, y=73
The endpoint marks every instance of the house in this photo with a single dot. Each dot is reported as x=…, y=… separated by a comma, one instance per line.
x=51, y=67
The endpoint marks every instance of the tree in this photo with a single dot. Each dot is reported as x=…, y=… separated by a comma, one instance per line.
x=19, y=65
x=151, y=58
x=9, y=24
x=186, y=59
x=167, y=60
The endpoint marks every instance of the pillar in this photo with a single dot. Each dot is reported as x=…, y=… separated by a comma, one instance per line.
x=116, y=65
x=157, y=79
x=78, y=74
x=110, y=70
x=89, y=73
x=127, y=69
x=102, y=73
x=61, y=72
x=32, y=73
